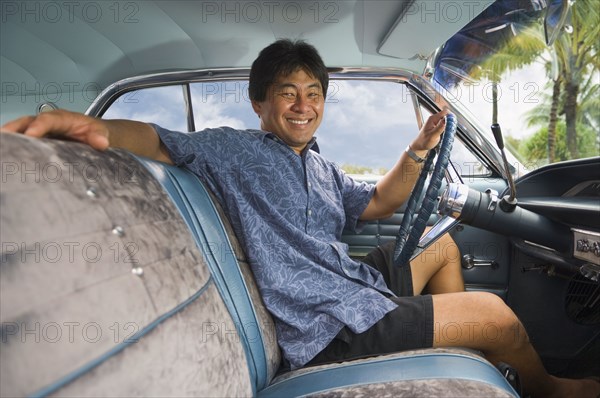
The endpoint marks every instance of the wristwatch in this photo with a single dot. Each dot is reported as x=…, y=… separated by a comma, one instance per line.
x=413, y=155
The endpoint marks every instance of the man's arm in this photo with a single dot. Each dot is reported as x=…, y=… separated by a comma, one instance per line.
x=397, y=184
x=137, y=137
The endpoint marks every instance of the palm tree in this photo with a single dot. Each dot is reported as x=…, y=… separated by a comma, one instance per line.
x=557, y=61
x=521, y=50
x=554, y=66
x=580, y=52
x=553, y=116
x=578, y=61
x=577, y=57
x=587, y=105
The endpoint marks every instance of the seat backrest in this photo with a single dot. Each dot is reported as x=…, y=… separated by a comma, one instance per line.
x=229, y=266
x=105, y=291
x=264, y=319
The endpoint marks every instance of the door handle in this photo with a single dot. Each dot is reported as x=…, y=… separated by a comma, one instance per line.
x=469, y=262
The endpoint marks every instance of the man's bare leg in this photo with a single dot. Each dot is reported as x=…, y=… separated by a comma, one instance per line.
x=482, y=321
x=438, y=268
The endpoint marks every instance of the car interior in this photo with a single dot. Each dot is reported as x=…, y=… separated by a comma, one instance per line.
x=122, y=276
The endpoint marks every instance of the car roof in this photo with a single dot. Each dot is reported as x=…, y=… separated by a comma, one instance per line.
x=54, y=46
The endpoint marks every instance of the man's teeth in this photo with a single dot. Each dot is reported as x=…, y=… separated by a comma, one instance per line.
x=298, y=121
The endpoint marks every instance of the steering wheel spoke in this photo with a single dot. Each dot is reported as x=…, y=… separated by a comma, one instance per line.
x=441, y=226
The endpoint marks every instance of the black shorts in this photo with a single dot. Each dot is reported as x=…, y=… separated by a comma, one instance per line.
x=408, y=327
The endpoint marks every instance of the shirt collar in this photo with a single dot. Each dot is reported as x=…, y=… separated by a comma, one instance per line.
x=312, y=143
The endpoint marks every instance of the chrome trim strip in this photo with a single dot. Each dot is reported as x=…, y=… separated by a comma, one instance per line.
x=453, y=200
x=418, y=112
x=189, y=110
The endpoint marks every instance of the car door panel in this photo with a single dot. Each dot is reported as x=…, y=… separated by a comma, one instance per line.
x=482, y=245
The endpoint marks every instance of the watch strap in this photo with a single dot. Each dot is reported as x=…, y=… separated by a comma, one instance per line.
x=413, y=155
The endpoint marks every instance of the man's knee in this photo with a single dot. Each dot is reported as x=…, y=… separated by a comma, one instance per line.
x=442, y=252
x=506, y=329
x=477, y=320
x=449, y=248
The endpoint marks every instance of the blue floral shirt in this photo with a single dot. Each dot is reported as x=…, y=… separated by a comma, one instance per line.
x=288, y=212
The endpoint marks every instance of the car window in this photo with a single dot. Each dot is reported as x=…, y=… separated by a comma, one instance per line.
x=465, y=162
x=224, y=103
x=161, y=105
x=366, y=124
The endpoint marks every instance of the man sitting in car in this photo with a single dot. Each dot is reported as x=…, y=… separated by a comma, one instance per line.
x=288, y=206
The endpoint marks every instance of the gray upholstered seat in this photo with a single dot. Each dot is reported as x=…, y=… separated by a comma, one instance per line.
x=161, y=301
x=104, y=291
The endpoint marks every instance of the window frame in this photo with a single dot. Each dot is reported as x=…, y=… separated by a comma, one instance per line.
x=422, y=92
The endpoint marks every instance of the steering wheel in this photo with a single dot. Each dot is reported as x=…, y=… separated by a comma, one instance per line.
x=408, y=237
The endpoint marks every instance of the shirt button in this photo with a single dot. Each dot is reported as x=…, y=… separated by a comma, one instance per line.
x=309, y=212
x=310, y=184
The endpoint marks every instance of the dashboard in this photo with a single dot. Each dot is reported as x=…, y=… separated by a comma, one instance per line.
x=568, y=193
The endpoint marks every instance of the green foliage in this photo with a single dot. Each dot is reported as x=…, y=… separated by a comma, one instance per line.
x=516, y=148
x=578, y=61
x=588, y=105
x=518, y=52
x=535, y=148
x=356, y=169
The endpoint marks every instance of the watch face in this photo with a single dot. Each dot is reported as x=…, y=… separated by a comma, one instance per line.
x=46, y=107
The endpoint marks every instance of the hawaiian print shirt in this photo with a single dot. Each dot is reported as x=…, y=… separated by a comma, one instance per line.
x=288, y=212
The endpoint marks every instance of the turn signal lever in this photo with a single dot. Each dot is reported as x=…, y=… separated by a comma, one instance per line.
x=483, y=210
x=508, y=202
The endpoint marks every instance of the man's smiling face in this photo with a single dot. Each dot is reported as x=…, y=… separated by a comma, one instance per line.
x=293, y=109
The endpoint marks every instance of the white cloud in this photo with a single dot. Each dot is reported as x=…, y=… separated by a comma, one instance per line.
x=161, y=105
x=211, y=112
x=367, y=123
x=366, y=105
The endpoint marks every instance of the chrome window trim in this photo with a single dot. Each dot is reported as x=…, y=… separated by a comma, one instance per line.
x=421, y=88
x=189, y=110
x=419, y=114
x=115, y=90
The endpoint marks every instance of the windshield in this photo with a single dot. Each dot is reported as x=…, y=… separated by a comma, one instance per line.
x=500, y=70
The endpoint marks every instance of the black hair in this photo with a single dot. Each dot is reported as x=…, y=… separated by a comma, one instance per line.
x=282, y=58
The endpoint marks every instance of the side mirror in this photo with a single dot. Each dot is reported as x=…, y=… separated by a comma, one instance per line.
x=555, y=19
